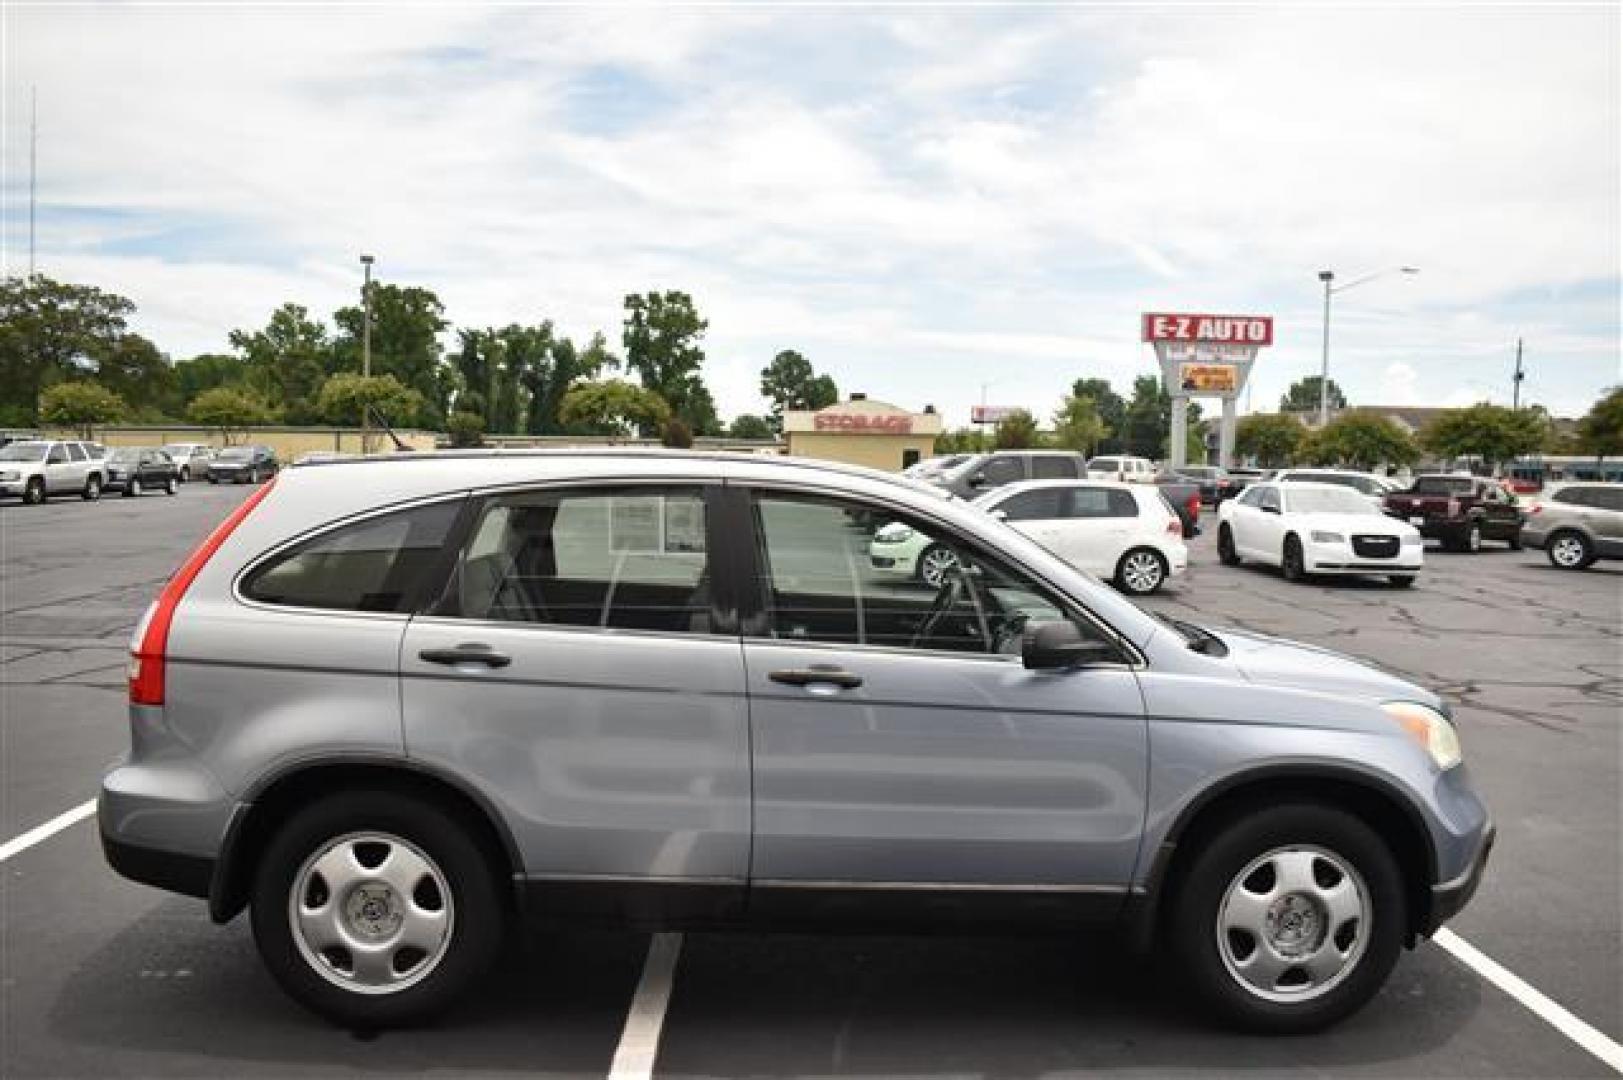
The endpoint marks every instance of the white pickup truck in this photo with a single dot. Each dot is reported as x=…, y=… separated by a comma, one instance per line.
x=1130, y=470
x=36, y=469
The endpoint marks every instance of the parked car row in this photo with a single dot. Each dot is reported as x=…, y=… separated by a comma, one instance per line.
x=34, y=470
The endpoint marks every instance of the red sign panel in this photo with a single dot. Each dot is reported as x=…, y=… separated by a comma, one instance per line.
x=1232, y=329
x=865, y=423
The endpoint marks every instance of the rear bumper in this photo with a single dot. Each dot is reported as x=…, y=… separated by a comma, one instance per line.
x=176, y=872
x=1449, y=898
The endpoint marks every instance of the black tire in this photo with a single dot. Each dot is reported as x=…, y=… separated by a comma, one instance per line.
x=1569, y=549
x=171, y=486
x=185, y=474
x=1201, y=888
x=1141, y=571
x=92, y=490
x=1227, y=554
x=132, y=487
x=923, y=574
x=1400, y=581
x=1515, y=541
x=213, y=479
x=253, y=476
x=34, y=492
x=1291, y=561
x=478, y=914
x=1467, y=539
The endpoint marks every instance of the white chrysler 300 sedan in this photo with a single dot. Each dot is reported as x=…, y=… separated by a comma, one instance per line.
x=1317, y=529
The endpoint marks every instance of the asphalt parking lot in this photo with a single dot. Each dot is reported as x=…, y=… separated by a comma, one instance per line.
x=103, y=977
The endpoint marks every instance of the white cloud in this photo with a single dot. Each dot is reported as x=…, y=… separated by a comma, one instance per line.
x=920, y=201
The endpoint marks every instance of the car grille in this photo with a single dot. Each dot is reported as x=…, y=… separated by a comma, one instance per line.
x=1375, y=547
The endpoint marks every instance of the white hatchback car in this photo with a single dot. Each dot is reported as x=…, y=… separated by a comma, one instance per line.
x=1317, y=529
x=1124, y=532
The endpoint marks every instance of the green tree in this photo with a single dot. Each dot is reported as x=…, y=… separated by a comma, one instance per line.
x=79, y=405
x=1270, y=438
x=1111, y=408
x=1600, y=432
x=1017, y=431
x=406, y=325
x=613, y=407
x=52, y=331
x=346, y=397
x=676, y=435
x=228, y=408
x=662, y=334
x=565, y=366
x=750, y=427
x=1078, y=425
x=1303, y=396
x=136, y=371
x=287, y=360
x=1148, y=418
x=205, y=371
x=1361, y=440
x=1489, y=432
x=790, y=383
x=465, y=428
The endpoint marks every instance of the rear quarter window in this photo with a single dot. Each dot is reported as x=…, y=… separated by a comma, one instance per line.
x=380, y=564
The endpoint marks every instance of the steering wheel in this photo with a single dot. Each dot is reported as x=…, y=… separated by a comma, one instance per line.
x=945, y=600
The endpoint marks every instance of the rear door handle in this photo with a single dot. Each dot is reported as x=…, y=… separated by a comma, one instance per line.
x=817, y=673
x=468, y=653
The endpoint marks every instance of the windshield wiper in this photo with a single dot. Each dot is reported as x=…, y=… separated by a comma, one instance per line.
x=1199, y=639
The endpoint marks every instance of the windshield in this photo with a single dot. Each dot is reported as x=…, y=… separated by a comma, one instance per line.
x=127, y=453
x=1327, y=501
x=236, y=453
x=23, y=451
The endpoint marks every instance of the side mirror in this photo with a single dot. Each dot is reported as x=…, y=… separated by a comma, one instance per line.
x=1060, y=646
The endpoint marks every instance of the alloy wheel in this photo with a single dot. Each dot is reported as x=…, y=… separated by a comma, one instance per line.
x=1473, y=542
x=371, y=913
x=1293, y=923
x=1141, y=572
x=1567, y=551
x=935, y=565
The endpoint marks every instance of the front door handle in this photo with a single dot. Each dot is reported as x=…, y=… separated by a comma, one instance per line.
x=467, y=653
x=817, y=673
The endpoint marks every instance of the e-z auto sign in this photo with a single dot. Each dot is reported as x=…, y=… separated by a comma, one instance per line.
x=1233, y=329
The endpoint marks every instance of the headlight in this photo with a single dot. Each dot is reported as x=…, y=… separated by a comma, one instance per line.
x=11, y=474
x=1429, y=728
x=1328, y=537
x=894, y=533
x=1412, y=540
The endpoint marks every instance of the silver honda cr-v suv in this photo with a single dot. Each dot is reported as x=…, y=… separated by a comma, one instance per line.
x=391, y=705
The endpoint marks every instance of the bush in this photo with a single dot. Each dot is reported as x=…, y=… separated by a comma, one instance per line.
x=79, y=405
x=676, y=434
x=465, y=429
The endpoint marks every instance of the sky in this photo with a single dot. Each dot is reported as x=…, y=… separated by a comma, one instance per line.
x=935, y=205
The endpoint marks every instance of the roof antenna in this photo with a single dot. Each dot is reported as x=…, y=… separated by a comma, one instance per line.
x=387, y=430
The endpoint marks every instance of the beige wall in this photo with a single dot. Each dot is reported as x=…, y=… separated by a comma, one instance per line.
x=875, y=451
x=288, y=443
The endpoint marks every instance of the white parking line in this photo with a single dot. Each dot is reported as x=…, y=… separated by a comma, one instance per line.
x=1583, y=1034
x=639, y=1041
x=46, y=831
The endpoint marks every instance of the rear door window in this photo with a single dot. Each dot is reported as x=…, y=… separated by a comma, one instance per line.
x=626, y=558
x=77, y=452
x=1052, y=467
x=382, y=563
x=1044, y=504
x=1003, y=469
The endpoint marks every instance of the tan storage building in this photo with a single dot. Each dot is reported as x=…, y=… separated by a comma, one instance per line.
x=863, y=432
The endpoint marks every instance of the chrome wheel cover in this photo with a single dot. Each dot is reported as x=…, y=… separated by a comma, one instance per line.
x=1293, y=924
x=1474, y=542
x=1567, y=551
x=371, y=913
x=1141, y=570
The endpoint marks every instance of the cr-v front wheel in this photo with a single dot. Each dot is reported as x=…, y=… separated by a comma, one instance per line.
x=1290, y=920
x=375, y=910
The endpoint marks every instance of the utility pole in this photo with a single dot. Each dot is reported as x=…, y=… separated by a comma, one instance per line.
x=366, y=350
x=1516, y=381
x=33, y=169
x=1325, y=276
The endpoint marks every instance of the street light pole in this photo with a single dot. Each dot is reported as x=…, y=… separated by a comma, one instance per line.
x=1328, y=276
x=366, y=349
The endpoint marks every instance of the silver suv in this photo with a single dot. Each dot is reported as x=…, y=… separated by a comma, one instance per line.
x=36, y=469
x=391, y=705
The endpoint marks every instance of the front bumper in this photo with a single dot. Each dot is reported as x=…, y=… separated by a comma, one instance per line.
x=13, y=488
x=1449, y=898
x=1334, y=558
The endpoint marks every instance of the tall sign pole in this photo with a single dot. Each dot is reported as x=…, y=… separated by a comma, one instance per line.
x=366, y=350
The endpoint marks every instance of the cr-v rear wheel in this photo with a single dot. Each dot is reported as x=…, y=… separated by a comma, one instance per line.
x=1290, y=919
x=375, y=910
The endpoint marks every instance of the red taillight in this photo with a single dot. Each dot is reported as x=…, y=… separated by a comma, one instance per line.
x=1174, y=527
x=1193, y=506
x=1453, y=508
x=152, y=636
